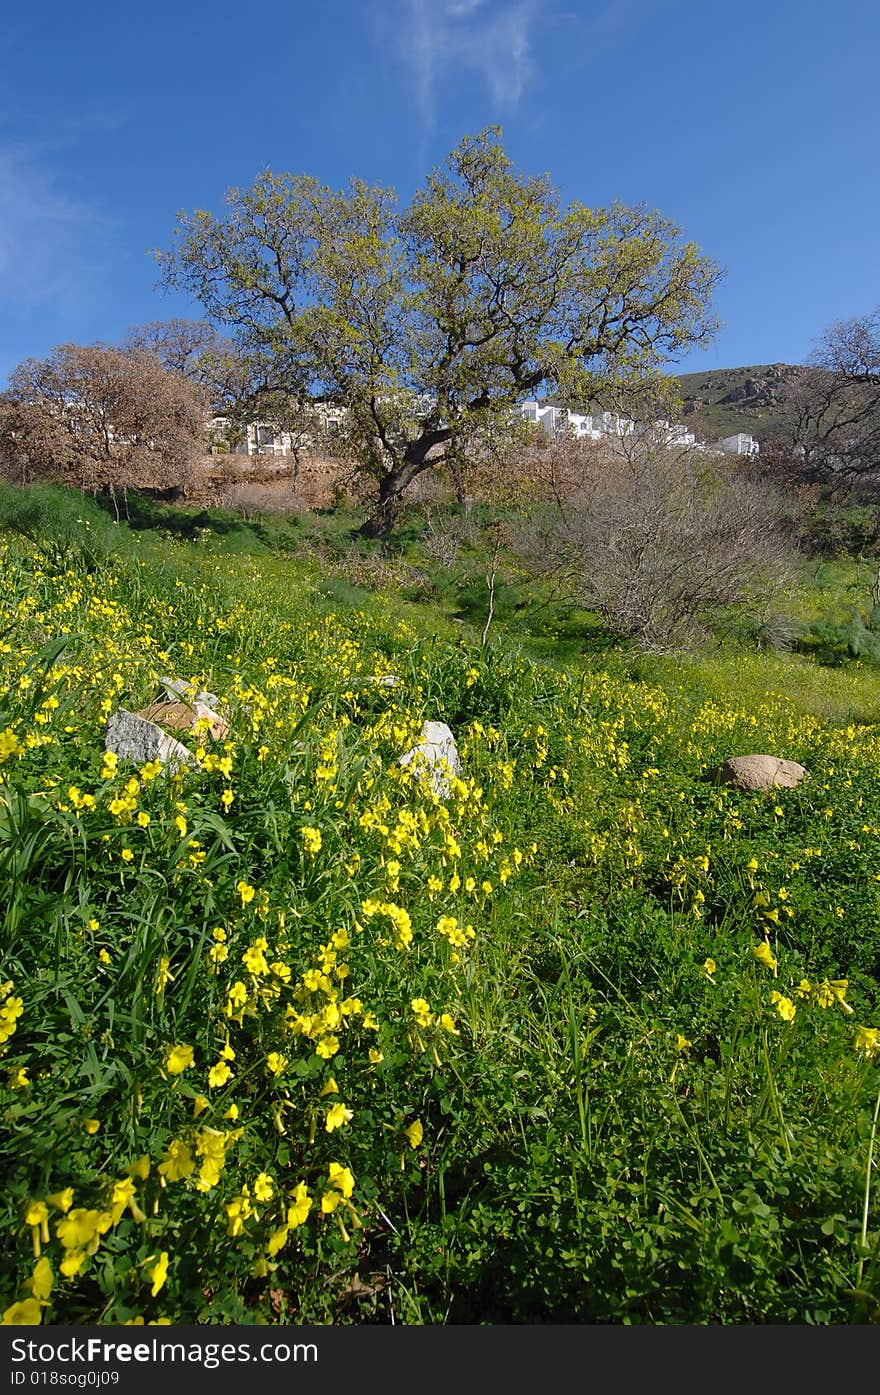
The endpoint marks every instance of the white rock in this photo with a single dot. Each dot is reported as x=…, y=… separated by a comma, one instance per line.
x=436, y=755
x=179, y=688
x=133, y=738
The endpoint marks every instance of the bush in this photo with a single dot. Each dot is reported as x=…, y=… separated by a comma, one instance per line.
x=660, y=541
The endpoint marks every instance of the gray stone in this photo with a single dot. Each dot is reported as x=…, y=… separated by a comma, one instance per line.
x=759, y=773
x=436, y=755
x=133, y=738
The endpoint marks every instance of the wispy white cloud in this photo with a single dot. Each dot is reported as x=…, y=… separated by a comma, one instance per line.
x=50, y=240
x=491, y=38
x=458, y=8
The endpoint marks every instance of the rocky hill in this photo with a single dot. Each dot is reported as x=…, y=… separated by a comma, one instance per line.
x=720, y=401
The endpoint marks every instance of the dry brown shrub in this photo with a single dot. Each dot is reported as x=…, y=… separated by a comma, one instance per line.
x=101, y=418
x=659, y=540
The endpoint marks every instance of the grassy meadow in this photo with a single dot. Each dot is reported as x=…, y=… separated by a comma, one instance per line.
x=287, y=1037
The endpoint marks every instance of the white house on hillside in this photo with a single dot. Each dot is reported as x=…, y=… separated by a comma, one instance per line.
x=674, y=433
x=741, y=443
x=600, y=425
x=583, y=426
x=265, y=438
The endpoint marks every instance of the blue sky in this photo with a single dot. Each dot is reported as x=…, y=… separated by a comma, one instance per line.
x=752, y=126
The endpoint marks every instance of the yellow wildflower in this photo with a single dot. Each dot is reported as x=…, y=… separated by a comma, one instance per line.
x=868, y=1041
x=163, y=976
x=277, y=1240
x=179, y=1058
x=337, y=1115
x=159, y=1272
x=302, y=1205
x=81, y=1227
x=177, y=1161
x=24, y=1314
x=422, y=1012
x=784, y=1006
x=264, y=1187
x=41, y=1281
x=62, y=1200
x=311, y=839
x=764, y=955
x=72, y=1262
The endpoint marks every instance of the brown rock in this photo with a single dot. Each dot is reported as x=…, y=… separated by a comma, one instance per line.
x=759, y=773
x=182, y=716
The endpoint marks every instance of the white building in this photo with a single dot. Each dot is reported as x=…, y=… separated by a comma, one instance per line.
x=741, y=443
x=543, y=414
x=584, y=427
x=265, y=438
x=672, y=434
x=613, y=424
x=602, y=425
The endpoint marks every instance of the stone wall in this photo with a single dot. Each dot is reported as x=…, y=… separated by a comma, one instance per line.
x=273, y=484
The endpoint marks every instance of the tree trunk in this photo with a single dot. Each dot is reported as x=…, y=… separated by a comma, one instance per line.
x=393, y=485
x=391, y=489
x=380, y=523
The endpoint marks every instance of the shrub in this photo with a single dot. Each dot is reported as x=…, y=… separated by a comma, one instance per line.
x=657, y=541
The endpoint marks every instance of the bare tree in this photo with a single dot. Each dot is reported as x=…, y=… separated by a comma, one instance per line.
x=445, y=534
x=101, y=418
x=834, y=407
x=242, y=384
x=181, y=346
x=852, y=348
x=658, y=540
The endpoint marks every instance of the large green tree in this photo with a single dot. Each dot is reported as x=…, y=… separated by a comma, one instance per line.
x=432, y=322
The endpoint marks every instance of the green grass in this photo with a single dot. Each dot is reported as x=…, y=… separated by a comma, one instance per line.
x=576, y=1093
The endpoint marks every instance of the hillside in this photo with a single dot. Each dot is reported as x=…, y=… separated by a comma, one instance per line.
x=289, y=1032
x=720, y=401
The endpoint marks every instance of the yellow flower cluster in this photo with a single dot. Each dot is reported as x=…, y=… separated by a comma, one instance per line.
x=11, y=1009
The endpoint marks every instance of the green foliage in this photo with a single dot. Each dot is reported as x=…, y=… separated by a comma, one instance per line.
x=66, y=526
x=843, y=530
x=850, y=634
